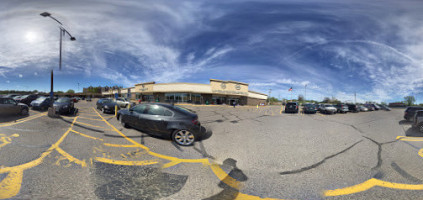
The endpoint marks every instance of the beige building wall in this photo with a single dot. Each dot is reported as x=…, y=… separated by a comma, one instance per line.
x=228, y=87
x=182, y=87
x=144, y=87
x=256, y=95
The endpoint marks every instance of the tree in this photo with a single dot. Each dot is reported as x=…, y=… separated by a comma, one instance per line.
x=409, y=100
x=59, y=92
x=326, y=100
x=70, y=91
x=300, y=98
x=273, y=100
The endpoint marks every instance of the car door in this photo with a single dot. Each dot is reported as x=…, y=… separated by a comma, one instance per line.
x=13, y=107
x=136, y=117
x=4, y=107
x=155, y=119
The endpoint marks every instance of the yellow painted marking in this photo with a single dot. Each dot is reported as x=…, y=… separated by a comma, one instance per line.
x=7, y=139
x=10, y=186
x=22, y=120
x=120, y=145
x=71, y=158
x=369, y=184
x=87, y=136
x=90, y=118
x=88, y=115
x=421, y=153
x=170, y=164
x=124, y=162
x=405, y=138
x=115, y=110
x=90, y=125
x=123, y=155
x=321, y=115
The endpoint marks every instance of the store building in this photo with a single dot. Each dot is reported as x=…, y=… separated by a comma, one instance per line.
x=217, y=92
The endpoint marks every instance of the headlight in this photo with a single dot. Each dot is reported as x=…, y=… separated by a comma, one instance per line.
x=106, y=106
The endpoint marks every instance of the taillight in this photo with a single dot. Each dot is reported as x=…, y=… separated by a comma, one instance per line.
x=195, y=121
x=296, y=107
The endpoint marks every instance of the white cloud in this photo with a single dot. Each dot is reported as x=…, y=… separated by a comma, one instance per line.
x=20, y=75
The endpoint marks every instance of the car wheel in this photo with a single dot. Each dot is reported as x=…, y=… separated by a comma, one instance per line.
x=24, y=111
x=122, y=122
x=183, y=137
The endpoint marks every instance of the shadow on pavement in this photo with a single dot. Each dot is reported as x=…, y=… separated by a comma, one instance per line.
x=235, y=173
x=404, y=122
x=6, y=118
x=134, y=182
x=413, y=132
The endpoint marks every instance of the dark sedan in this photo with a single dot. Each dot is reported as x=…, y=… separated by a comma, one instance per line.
x=179, y=124
x=64, y=105
x=8, y=106
x=309, y=108
x=410, y=111
x=42, y=103
x=107, y=105
x=27, y=99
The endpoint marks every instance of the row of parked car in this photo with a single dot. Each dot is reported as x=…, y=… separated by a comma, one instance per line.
x=294, y=107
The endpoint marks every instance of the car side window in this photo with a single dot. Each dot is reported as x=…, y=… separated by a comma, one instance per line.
x=156, y=110
x=168, y=113
x=139, y=109
x=9, y=101
x=419, y=114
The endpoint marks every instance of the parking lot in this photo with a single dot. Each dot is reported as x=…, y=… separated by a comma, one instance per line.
x=246, y=153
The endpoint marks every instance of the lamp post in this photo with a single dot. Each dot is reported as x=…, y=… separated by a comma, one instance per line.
x=63, y=31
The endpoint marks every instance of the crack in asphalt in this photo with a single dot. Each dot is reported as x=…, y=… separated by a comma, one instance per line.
x=320, y=162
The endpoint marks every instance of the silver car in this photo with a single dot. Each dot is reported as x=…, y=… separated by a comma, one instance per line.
x=362, y=109
x=122, y=102
x=328, y=109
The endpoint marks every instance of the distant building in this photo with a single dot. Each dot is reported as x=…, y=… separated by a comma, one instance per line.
x=397, y=105
x=217, y=92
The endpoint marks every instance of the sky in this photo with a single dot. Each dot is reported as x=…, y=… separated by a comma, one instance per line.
x=319, y=48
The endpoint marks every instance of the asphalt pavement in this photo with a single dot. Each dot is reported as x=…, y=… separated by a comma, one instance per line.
x=246, y=153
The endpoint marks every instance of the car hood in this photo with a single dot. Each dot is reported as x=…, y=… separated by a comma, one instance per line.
x=330, y=108
x=110, y=104
x=22, y=104
x=60, y=104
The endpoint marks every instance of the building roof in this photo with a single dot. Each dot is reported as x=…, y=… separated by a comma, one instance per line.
x=236, y=82
x=151, y=82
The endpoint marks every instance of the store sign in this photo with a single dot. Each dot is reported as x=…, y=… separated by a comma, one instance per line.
x=237, y=86
x=143, y=88
x=223, y=86
x=229, y=92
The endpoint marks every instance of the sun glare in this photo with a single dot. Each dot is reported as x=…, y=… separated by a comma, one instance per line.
x=31, y=36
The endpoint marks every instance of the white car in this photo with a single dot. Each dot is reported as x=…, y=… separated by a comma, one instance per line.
x=122, y=102
x=328, y=109
x=363, y=109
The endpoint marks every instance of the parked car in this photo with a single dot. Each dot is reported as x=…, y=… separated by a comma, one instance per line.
x=362, y=108
x=41, y=103
x=16, y=97
x=352, y=107
x=309, y=108
x=122, y=102
x=328, y=109
x=88, y=99
x=341, y=108
x=418, y=120
x=64, y=105
x=370, y=107
x=384, y=107
x=375, y=106
x=8, y=106
x=10, y=95
x=107, y=105
x=27, y=99
x=410, y=111
x=165, y=120
x=291, y=107
x=74, y=99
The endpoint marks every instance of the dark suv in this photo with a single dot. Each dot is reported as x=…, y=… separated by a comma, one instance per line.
x=352, y=107
x=410, y=111
x=291, y=107
x=418, y=120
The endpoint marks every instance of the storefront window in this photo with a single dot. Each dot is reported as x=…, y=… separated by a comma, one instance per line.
x=177, y=97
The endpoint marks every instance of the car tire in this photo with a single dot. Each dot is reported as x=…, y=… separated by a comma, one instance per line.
x=183, y=137
x=24, y=112
x=123, y=123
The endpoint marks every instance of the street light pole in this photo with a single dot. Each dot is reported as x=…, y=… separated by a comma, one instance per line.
x=305, y=93
x=63, y=31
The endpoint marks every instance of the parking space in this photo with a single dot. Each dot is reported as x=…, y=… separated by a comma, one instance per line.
x=246, y=153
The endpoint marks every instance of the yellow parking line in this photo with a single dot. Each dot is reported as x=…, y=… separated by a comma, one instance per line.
x=90, y=118
x=370, y=184
x=124, y=162
x=71, y=158
x=405, y=138
x=10, y=186
x=7, y=139
x=420, y=153
x=22, y=120
x=90, y=125
x=120, y=145
x=87, y=136
x=170, y=164
x=88, y=115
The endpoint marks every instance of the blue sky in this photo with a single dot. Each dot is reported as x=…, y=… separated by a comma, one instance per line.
x=336, y=48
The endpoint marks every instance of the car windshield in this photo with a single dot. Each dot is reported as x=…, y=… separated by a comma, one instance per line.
x=24, y=96
x=107, y=101
x=328, y=106
x=41, y=98
x=63, y=100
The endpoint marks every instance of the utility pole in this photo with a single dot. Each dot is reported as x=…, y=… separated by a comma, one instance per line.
x=268, y=97
x=305, y=92
x=355, y=98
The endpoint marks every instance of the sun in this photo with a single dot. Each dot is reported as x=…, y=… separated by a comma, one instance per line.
x=31, y=36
